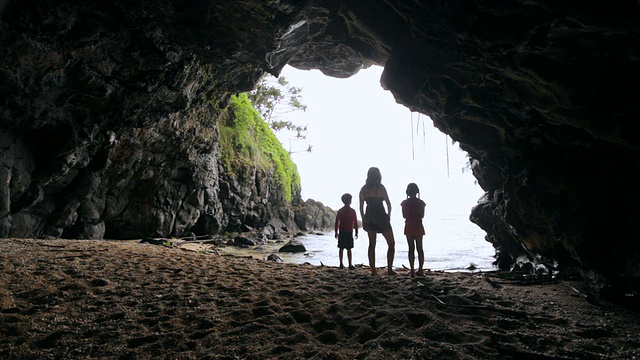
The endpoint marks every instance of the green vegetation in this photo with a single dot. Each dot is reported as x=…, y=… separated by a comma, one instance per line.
x=168, y=243
x=247, y=140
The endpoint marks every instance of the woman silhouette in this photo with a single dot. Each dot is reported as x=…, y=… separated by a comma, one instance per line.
x=375, y=220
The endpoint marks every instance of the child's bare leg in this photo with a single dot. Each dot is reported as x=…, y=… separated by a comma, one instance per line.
x=349, y=257
x=341, y=253
x=412, y=256
x=420, y=254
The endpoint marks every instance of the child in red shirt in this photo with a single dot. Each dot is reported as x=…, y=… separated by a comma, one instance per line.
x=413, y=212
x=346, y=222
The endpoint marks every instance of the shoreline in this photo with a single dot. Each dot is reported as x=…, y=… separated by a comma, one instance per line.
x=321, y=250
x=123, y=299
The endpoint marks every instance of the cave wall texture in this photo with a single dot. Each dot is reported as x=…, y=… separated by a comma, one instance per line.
x=109, y=111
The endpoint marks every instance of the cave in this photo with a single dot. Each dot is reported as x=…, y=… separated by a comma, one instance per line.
x=109, y=113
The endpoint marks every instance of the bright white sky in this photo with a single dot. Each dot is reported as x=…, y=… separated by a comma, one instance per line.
x=354, y=124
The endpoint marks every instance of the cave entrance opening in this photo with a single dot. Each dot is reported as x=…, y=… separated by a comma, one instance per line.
x=354, y=124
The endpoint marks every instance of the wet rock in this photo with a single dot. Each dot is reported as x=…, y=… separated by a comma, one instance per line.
x=293, y=246
x=275, y=258
x=243, y=241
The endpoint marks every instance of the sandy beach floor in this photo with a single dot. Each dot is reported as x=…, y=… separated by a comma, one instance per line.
x=98, y=299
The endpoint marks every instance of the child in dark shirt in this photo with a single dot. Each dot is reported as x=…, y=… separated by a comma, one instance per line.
x=346, y=222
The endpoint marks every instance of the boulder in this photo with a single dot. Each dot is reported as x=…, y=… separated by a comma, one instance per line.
x=293, y=246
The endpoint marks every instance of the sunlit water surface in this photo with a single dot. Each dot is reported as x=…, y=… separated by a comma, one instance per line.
x=452, y=243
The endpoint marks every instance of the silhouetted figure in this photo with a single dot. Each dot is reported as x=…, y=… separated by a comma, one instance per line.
x=413, y=213
x=346, y=222
x=375, y=220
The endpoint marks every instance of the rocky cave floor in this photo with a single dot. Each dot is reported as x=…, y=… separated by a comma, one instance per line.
x=70, y=299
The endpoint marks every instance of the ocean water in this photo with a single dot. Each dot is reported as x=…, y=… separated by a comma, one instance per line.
x=451, y=243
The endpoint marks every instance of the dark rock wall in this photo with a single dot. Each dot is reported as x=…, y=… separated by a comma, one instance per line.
x=109, y=112
x=109, y=116
x=541, y=95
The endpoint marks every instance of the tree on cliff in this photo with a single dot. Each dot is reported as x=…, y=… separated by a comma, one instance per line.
x=274, y=98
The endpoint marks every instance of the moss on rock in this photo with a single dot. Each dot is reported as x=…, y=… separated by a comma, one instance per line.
x=247, y=140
